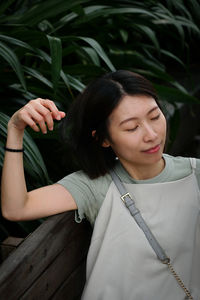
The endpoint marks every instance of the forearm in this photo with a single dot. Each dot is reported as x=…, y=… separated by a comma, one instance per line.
x=13, y=187
x=17, y=204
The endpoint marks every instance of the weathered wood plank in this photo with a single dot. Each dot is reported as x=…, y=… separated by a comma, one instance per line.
x=26, y=264
x=72, y=288
x=59, y=270
x=9, y=245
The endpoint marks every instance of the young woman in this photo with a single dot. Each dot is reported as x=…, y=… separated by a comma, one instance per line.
x=117, y=124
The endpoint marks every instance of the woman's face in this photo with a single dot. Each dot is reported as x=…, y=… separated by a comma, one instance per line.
x=137, y=129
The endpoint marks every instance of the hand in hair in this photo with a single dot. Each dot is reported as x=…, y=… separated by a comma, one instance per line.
x=38, y=114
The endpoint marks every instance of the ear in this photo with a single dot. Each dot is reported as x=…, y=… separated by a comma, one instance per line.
x=93, y=133
x=105, y=143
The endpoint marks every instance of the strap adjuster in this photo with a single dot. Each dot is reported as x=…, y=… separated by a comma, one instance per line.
x=125, y=195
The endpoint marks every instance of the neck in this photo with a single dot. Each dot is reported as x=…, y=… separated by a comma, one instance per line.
x=145, y=172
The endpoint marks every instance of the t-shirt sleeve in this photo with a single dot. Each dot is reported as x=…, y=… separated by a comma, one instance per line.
x=87, y=193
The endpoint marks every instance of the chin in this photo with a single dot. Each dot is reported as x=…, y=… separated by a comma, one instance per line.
x=155, y=157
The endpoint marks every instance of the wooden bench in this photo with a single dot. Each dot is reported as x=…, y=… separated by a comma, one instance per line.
x=49, y=263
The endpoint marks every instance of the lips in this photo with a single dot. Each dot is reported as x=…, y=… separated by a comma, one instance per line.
x=153, y=149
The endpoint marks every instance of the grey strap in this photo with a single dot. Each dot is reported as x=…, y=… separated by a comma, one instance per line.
x=130, y=204
x=193, y=163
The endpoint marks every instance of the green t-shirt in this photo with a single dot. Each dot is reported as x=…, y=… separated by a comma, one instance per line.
x=90, y=193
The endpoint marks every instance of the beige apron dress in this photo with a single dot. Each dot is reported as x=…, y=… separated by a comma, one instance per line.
x=121, y=264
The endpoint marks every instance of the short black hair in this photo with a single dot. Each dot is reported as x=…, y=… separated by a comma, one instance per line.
x=90, y=112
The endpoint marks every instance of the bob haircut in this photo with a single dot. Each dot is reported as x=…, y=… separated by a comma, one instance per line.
x=90, y=112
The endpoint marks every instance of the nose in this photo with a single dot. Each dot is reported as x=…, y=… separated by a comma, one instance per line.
x=150, y=133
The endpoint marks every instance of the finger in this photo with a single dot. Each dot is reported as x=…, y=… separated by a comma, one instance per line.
x=62, y=114
x=41, y=115
x=44, y=110
x=43, y=126
x=37, y=117
x=46, y=117
x=53, y=108
x=56, y=113
x=50, y=105
x=30, y=122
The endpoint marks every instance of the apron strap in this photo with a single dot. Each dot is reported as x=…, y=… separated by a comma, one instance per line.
x=130, y=204
x=193, y=163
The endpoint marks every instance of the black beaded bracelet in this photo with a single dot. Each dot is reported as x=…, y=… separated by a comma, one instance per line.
x=13, y=150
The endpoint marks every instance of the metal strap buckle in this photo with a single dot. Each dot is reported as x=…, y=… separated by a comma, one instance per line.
x=166, y=261
x=125, y=195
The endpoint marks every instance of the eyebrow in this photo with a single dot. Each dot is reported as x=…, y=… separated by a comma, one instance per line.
x=135, y=118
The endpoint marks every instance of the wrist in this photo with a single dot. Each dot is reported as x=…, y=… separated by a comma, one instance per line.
x=12, y=127
x=14, y=150
x=14, y=137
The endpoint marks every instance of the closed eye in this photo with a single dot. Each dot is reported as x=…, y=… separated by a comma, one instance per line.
x=132, y=129
x=156, y=118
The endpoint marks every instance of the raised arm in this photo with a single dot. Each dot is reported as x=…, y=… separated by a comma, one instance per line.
x=16, y=202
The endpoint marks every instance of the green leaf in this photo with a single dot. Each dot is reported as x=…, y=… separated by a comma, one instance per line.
x=71, y=16
x=47, y=9
x=63, y=21
x=11, y=58
x=138, y=59
x=78, y=10
x=171, y=55
x=56, y=59
x=96, y=46
x=188, y=24
x=195, y=7
x=38, y=76
x=174, y=127
x=5, y=5
x=15, y=42
x=45, y=26
x=93, y=55
x=108, y=11
x=94, y=8
x=166, y=20
x=68, y=80
x=181, y=7
x=26, y=95
x=75, y=83
x=165, y=17
x=173, y=95
x=2, y=144
x=124, y=35
x=150, y=34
